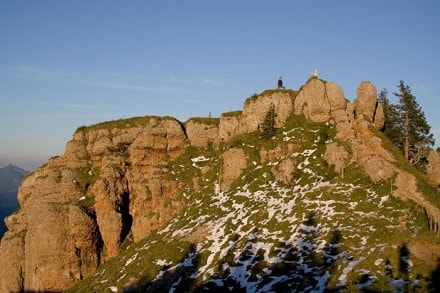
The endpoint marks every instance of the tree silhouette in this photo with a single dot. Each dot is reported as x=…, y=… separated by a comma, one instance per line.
x=268, y=125
x=414, y=137
x=404, y=261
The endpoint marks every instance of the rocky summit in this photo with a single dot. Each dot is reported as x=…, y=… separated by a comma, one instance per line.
x=151, y=204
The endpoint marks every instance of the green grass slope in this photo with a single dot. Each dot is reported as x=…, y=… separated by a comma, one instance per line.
x=324, y=231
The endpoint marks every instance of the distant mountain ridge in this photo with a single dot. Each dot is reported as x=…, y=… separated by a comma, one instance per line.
x=154, y=204
x=11, y=177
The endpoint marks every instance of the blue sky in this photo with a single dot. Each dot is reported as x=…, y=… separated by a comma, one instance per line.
x=65, y=64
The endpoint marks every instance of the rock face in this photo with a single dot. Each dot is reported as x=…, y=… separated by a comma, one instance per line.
x=319, y=100
x=202, y=132
x=366, y=106
x=234, y=162
x=228, y=127
x=113, y=179
x=365, y=103
x=433, y=168
x=76, y=211
x=336, y=156
x=254, y=111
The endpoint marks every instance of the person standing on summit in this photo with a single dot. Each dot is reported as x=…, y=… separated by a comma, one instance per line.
x=280, y=82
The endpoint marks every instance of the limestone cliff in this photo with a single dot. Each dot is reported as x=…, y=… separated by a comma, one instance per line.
x=114, y=179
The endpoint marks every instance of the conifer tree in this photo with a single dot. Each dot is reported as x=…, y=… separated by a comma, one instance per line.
x=268, y=125
x=392, y=127
x=413, y=137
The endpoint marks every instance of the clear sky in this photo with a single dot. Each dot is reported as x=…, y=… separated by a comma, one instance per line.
x=65, y=64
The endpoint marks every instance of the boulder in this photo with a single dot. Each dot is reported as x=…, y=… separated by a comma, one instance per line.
x=233, y=163
x=337, y=156
x=283, y=171
x=313, y=102
x=335, y=97
x=366, y=101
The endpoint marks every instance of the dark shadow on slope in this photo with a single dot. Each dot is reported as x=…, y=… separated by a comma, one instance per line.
x=178, y=279
x=332, y=253
x=305, y=267
x=232, y=270
x=404, y=261
x=397, y=278
x=388, y=268
x=290, y=267
x=435, y=279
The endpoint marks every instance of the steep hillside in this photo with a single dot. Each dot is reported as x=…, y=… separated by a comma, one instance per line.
x=154, y=203
x=305, y=230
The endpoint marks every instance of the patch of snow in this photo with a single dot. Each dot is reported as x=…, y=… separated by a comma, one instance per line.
x=364, y=240
x=113, y=288
x=200, y=159
x=162, y=262
x=197, y=160
x=322, y=282
x=122, y=276
x=131, y=259
x=343, y=277
x=383, y=199
x=378, y=261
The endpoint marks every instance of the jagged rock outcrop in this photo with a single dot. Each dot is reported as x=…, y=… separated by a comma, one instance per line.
x=76, y=211
x=353, y=126
x=366, y=106
x=319, y=100
x=254, y=110
x=113, y=179
x=369, y=153
x=365, y=103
